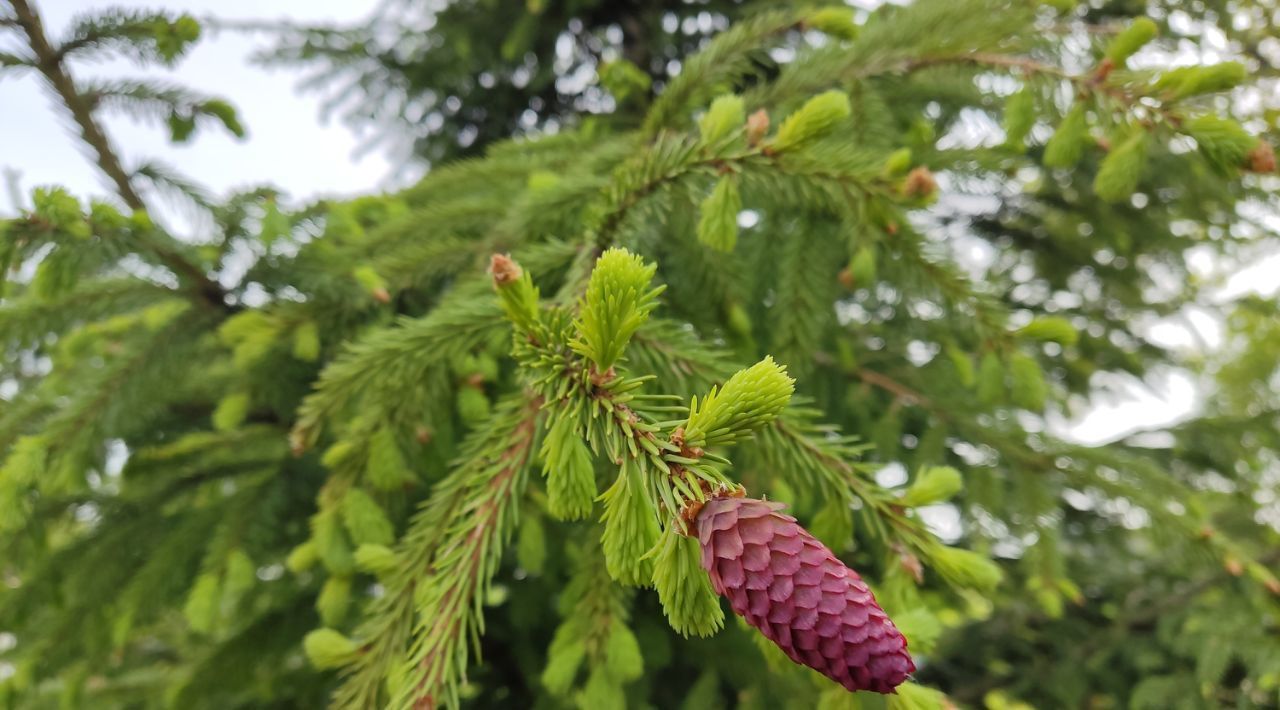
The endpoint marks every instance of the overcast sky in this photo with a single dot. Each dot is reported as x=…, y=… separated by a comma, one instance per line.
x=291, y=148
x=287, y=145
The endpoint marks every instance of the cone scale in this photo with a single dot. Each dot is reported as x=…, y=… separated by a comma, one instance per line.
x=791, y=587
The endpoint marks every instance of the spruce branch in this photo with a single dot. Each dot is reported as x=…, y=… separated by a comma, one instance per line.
x=50, y=63
x=432, y=605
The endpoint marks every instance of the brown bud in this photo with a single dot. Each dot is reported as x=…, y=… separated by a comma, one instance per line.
x=1207, y=533
x=1105, y=67
x=381, y=295
x=1273, y=586
x=1103, y=143
x=1233, y=567
x=845, y=277
x=912, y=565
x=757, y=126
x=423, y=434
x=920, y=183
x=297, y=442
x=504, y=269
x=1262, y=159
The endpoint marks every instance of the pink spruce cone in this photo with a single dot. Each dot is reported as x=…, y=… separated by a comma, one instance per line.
x=790, y=586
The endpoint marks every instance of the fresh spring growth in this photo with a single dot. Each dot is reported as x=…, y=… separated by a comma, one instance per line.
x=718, y=225
x=1066, y=146
x=326, y=648
x=1120, y=171
x=965, y=568
x=376, y=559
x=571, y=477
x=518, y=295
x=387, y=468
x=334, y=600
x=1133, y=38
x=1223, y=142
x=1019, y=117
x=934, y=485
x=1183, y=82
x=1027, y=382
x=1050, y=329
x=630, y=527
x=749, y=400
x=725, y=116
x=365, y=519
x=689, y=602
x=617, y=302
x=818, y=117
x=835, y=21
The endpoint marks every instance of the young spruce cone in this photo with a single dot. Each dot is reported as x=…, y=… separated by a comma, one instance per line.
x=790, y=586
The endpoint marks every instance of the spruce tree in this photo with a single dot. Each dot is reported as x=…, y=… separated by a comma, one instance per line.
x=507, y=437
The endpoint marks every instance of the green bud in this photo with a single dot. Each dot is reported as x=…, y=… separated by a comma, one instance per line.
x=898, y=162
x=738, y=321
x=387, y=468
x=231, y=411
x=862, y=266
x=921, y=628
x=542, y=180
x=910, y=696
x=718, y=226
x=818, y=117
x=725, y=117
x=564, y=658
x=963, y=364
x=1182, y=82
x=1066, y=146
x=203, y=602
x=1053, y=329
x=302, y=558
x=334, y=598
x=365, y=519
x=1133, y=38
x=1019, y=117
x=338, y=455
x=630, y=527
x=531, y=545
x=474, y=407
x=964, y=568
x=601, y=691
x=689, y=602
x=617, y=302
x=749, y=400
x=241, y=574
x=1120, y=171
x=331, y=543
x=622, y=658
x=991, y=379
x=377, y=560
x=326, y=649
x=835, y=21
x=934, y=485
x=571, y=477
x=306, y=341
x=1223, y=142
x=516, y=292
x=1029, y=388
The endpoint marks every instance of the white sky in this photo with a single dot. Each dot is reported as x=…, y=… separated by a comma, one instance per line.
x=289, y=147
